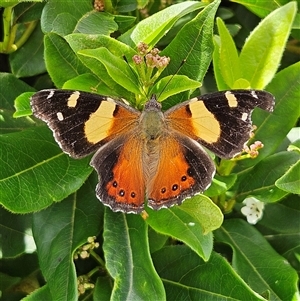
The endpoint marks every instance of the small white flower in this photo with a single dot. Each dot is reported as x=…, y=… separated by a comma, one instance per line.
x=253, y=210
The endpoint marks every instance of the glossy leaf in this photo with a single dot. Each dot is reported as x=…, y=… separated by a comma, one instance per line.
x=117, y=68
x=103, y=289
x=62, y=17
x=290, y=181
x=59, y=56
x=58, y=231
x=186, y=276
x=262, y=51
x=171, y=85
x=43, y=176
x=95, y=23
x=284, y=236
x=7, y=94
x=256, y=262
x=8, y=124
x=193, y=45
x=153, y=28
x=80, y=42
x=24, y=63
x=260, y=182
x=260, y=8
x=189, y=223
x=220, y=185
x=42, y=293
x=127, y=256
x=228, y=60
x=22, y=105
x=16, y=234
x=273, y=127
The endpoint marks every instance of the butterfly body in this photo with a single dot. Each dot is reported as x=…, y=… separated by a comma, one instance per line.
x=150, y=155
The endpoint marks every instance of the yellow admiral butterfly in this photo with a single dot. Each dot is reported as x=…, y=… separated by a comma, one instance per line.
x=150, y=154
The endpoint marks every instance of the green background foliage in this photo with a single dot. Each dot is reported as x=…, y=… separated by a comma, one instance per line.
x=201, y=250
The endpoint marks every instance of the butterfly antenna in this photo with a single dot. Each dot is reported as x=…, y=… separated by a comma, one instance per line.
x=134, y=73
x=171, y=78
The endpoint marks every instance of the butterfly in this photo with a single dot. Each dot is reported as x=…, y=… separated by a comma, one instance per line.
x=150, y=154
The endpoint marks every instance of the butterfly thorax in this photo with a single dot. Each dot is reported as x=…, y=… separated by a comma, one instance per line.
x=152, y=120
x=152, y=127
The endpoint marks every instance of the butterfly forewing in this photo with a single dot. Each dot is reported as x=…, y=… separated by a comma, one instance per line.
x=81, y=121
x=220, y=121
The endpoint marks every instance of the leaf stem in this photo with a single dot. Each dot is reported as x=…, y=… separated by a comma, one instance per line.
x=7, y=13
x=9, y=32
x=29, y=29
x=97, y=257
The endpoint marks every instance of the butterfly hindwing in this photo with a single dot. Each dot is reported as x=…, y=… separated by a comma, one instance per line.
x=81, y=121
x=184, y=169
x=121, y=179
x=220, y=121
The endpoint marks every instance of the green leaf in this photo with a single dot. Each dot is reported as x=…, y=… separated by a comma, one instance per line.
x=290, y=219
x=290, y=181
x=22, y=105
x=273, y=127
x=256, y=262
x=16, y=235
x=7, y=94
x=5, y=3
x=58, y=231
x=123, y=6
x=153, y=28
x=228, y=60
x=103, y=289
x=28, y=11
x=80, y=42
x=127, y=257
x=124, y=22
x=156, y=240
x=260, y=181
x=29, y=59
x=8, y=124
x=59, y=56
x=220, y=185
x=117, y=68
x=42, y=293
x=284, y=236
x=61, y=17
x=216, y=62
x=95, y=23
x=260, y=8
x=188, y=277
x=190, y=223
x=264, y=47
x=192, y=45
x=42, y=176
x=171, y=85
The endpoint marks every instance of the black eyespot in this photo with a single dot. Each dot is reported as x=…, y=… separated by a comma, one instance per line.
x=121, y=192
x=183, y=178
x=174, y=187
x=115, y=184
x=132, y=195
x=163, y=190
